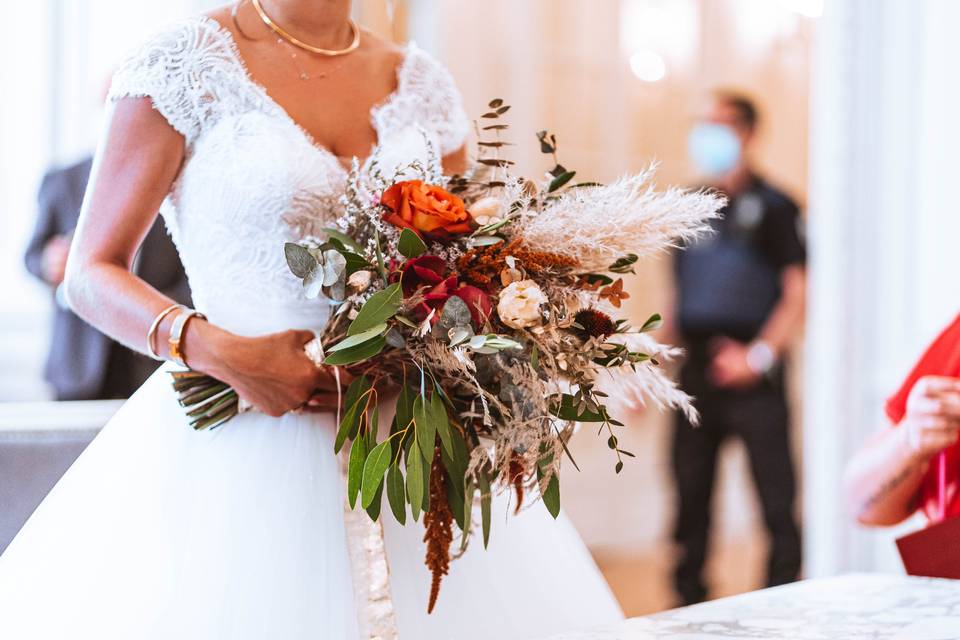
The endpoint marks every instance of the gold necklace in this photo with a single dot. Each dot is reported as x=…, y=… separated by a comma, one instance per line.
x=277, y=29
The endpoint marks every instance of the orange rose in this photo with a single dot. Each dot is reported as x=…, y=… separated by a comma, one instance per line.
x=425, y=209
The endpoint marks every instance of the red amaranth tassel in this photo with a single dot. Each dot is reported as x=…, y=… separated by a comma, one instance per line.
x=439, y=529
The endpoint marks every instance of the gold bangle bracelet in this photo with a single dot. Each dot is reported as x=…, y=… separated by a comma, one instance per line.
x=176, y=335
x=152, y=333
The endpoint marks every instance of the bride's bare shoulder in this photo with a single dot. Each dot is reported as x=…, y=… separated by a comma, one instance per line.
x=382, y=52
x=221, y=15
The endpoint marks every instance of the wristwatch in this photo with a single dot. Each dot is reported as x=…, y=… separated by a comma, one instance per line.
x=760, y=357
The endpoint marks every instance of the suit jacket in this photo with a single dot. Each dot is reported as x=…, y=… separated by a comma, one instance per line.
x=80, y=357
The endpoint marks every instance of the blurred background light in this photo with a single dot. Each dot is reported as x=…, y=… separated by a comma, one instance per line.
x=807, y=8
x=648, y=66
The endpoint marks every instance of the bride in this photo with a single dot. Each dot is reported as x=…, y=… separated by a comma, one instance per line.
x=236, y=126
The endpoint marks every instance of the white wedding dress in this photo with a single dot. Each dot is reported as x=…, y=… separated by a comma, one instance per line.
x=160, y=532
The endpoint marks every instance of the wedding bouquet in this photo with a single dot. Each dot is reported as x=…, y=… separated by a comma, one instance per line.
x=483, y=307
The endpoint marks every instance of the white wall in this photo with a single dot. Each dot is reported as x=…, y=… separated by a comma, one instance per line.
x=883, y=235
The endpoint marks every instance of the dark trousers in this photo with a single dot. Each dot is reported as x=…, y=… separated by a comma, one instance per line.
x=759, y=417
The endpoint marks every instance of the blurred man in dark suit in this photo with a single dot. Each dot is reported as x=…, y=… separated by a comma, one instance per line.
x=83, y=364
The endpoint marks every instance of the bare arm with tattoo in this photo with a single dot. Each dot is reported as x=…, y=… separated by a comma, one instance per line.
x=883, y=479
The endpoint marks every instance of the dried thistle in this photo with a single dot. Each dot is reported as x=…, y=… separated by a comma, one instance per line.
x=594, y=324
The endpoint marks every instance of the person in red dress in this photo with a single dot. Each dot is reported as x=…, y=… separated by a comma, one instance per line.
x=898, y=471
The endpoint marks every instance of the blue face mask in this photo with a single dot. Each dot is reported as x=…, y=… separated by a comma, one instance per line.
x=714, y=148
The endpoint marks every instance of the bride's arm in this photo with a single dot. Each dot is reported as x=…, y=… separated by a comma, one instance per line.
x=138, y=160
x=456, y=162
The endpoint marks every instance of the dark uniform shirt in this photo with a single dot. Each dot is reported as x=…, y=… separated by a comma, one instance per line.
x=729, y=282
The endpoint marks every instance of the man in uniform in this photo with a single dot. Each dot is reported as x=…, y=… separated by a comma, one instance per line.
x=740, y=301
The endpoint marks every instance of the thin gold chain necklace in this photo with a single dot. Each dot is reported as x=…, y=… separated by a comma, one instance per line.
x=277, y=29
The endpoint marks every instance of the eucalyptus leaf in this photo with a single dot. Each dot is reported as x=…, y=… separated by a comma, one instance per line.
x=560, y=180
x=653, y=322
x=373, y=509
x=334, y=267
x=358, y=457
x=404, y=409
x=360, y=338
x=551, y=495
x=354, y=401
x=454, y=497
x=484, y=241
x=396, y=494
x=374, y=423
x=415, y=482
x=455, y=313
x=355, y=262
x=493, y=226
x=486, y=498
x=410, y=244
x=459, y=335
x=377, y=463
x=350, y=421
x=359, y=353
x=625, y=264
x=338, y=290
x=469, y=491
x=299, y=259
x=404, y=320
x=313, y=282
x=426, y=428
x=437, y=413
x=343, y=238
x=381, y=306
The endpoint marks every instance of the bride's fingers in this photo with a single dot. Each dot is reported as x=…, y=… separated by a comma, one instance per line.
x=322, y=402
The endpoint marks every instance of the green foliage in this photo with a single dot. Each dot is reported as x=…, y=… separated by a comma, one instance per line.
x=377, y=463
x=653, y=323
x=355, y=465
x=425, y=426
x=356, y=354
x=625, y=264
x=396, y=493
x=415, y=482
x=343, y=239
x=359, y=338
x=381, y=306
x=410, y=244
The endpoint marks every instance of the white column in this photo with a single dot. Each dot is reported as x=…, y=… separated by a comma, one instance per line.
x=883, y=230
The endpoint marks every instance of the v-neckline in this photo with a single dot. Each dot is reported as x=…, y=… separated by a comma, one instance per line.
x=234, y=49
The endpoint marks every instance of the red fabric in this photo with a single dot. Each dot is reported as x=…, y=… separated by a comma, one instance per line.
x=942, y=358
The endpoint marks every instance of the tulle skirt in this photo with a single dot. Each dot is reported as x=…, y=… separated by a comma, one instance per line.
x=158, y=531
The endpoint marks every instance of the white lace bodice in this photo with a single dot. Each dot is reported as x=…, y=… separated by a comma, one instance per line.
x=252, y=178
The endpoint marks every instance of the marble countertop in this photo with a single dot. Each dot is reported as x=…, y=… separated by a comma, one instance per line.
x=850, y=607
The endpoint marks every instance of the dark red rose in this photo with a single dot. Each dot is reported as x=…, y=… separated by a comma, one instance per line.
x=477, y=301
x=425, y=271
x=426, y=275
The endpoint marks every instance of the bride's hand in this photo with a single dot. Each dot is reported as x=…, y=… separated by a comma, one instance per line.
x=326, y=398
x=273, y=373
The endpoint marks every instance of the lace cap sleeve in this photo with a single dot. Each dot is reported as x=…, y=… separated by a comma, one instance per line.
x=427, y=96
x=178, y=70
